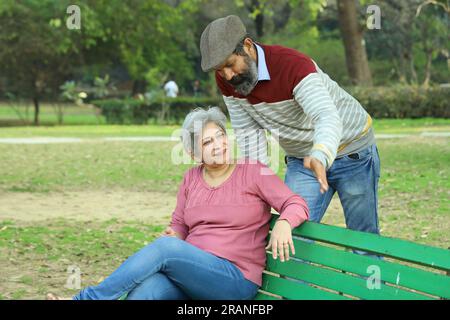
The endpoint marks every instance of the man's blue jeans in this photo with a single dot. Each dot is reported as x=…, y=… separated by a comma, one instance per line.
x=172, y=269
x=354, y=177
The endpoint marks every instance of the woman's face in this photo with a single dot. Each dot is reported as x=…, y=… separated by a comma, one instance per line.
x=214, y=145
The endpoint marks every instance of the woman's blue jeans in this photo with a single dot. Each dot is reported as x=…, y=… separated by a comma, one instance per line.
x=172, y=269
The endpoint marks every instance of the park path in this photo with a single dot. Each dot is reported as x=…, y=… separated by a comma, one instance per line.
x=88, y=205
x=50, y=140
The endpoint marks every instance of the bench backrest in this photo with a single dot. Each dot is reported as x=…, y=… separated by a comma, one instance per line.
x=328, y=269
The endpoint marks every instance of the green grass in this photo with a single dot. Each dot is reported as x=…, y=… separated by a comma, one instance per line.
x=386, y=126
x=86, y=131
x=82, y=121
x=134, y=166
x=73, y=115
x=408, y=165
x=413, y=199
x=44, y=252
x=412, y=126
x=413, y=188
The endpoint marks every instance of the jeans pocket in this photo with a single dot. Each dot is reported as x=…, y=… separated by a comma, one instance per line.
x=288, y=159
x=359, y=156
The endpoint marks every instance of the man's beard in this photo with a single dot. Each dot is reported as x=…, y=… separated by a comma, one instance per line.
x=246, y=81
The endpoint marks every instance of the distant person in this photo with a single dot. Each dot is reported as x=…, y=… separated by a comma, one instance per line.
x=171, y=89
x=196, y=88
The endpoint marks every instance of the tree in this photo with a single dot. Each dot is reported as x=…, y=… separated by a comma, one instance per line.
x=37, y=52
x=395, y=40
x=432, y=32
x=413, y=34
x=272, y=16
x=150, y=38
x=352, y=36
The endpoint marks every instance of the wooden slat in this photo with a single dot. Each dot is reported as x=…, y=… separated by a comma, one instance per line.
x=405, y=276
x=389, y=247
x=296, y=291
x=348, y=284
x=123, y=297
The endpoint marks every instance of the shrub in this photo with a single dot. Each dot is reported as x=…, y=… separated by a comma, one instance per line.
x=161, y=110
x=380, y=102
x=404, y=101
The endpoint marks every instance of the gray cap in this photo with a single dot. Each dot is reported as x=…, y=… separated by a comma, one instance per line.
x=219, y=39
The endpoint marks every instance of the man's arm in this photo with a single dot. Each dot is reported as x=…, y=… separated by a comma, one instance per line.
x=250, y=135
x=316, y=102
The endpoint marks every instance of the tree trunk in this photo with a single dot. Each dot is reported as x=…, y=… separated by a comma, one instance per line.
x=36, y=110
x=413, y=70
x=281, y=18
x=138, y=87
x=259, y=19
x=355, y=50
x=60, y=109
x=426, y=81
x=259, y=23
x=400, y=69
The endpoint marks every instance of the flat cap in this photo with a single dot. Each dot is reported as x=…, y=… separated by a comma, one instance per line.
x=219, y=39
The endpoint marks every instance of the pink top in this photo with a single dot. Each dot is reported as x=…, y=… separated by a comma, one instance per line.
x=231, y=220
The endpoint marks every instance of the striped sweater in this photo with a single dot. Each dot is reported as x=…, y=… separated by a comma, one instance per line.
x=303, y=108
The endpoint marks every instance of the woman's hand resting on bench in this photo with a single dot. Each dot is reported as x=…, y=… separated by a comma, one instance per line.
x=281, y=240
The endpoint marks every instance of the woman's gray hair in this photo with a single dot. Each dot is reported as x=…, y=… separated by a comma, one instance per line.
x=194, y=123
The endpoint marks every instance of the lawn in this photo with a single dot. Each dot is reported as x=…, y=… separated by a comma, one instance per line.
x=83, y=122
x=11, y=114
x=34, y=259
x=34, y=255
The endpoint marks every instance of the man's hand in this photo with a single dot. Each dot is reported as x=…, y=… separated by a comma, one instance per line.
x=281, y=240
x=319, y=171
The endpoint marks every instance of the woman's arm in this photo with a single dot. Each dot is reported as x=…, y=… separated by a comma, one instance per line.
x=292, y=208
x=177, y=224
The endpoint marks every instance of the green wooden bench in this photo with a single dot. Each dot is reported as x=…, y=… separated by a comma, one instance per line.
x=332, y=271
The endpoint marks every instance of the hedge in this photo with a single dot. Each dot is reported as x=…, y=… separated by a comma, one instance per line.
x=380, y=102
x=136, y=111
x=404, y=101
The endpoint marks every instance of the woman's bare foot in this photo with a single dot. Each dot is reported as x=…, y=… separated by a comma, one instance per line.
x=51, y=296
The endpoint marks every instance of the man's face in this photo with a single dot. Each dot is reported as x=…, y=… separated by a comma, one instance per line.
x=241, y=72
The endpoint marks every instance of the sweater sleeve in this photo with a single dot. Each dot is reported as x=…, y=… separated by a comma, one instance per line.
x=250, y=136
x=315, y=100
x=277, y=194
x=177, y=223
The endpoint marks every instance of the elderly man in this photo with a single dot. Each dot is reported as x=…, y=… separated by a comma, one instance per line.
x=326, y=134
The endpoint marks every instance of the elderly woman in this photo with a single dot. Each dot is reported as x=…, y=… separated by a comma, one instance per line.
x=214, y=247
